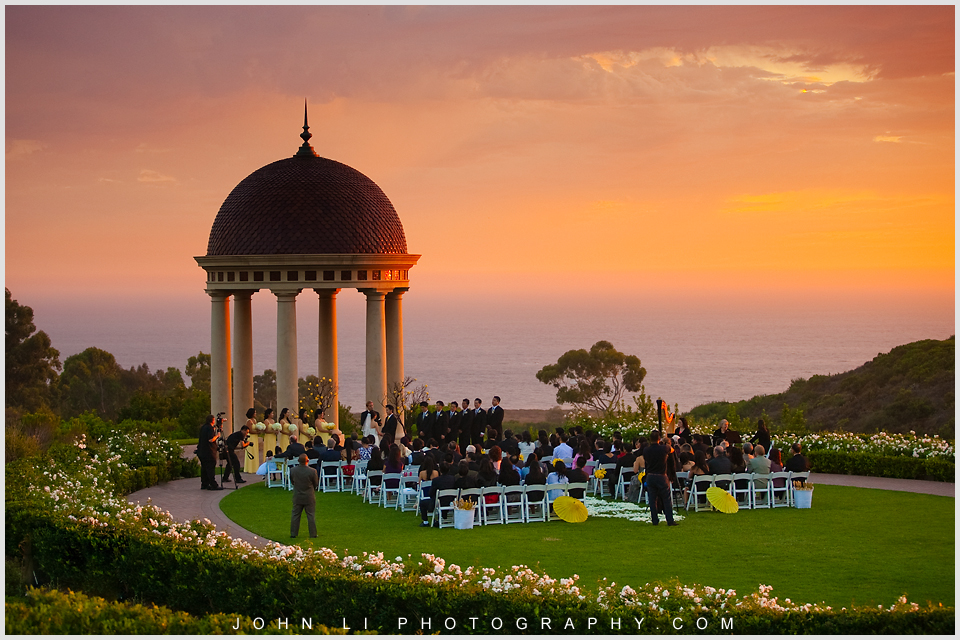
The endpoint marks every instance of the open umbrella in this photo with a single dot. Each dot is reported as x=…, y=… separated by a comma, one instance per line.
x=570, y=509
x=722, y=500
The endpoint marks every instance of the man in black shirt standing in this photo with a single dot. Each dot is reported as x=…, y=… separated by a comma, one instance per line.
x=206, y=452
x=655, y=464
x=236, y=440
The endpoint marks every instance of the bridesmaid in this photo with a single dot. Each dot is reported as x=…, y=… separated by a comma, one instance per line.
x=304, y=423
x=251, y=465
x=283, y=440
x=321, y=425
x=269, y=436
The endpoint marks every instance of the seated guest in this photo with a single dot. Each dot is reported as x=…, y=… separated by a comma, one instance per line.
x=533, y=462
x=510, y=443
x=464, y=481
x=376, y=460
x=776, y=466
x=312, y=454
x=584, y=451
x=363, y=452
x=760, y=465
x=393, y=464
x=720, y=463
x=797, y=463
x=509, y=475
x=699, y=468
x=534, y=477
x=330, y=453
x=602, y=455
x=491, y=440
x=453, y=448
x=495, y=456
x=416, y=454
x=698, y=444
x=487, y=477
x=737, y=463
x=563, y=450
x=294, y=450
x=526, y=446
x=748, y=451
x=577, y=475
x=472, y=458
x=543, y=446
x=558, y=476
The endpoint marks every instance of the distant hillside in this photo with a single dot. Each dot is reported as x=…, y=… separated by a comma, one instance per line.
x=910, y=388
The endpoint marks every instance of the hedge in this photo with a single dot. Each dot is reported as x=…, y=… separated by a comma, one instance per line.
x=131, y=480
x=138, y=566
x=46, y=612
x=869, y=464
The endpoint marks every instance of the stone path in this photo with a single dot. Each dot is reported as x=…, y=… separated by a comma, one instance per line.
x=185, y=501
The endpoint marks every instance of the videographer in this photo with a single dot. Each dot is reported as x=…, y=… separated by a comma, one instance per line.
x=236, y=440
x=206, y=453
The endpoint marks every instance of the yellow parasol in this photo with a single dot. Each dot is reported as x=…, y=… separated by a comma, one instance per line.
x=570, y=509
x=722, y=500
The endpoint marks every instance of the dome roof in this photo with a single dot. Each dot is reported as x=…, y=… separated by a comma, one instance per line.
x=306, y=205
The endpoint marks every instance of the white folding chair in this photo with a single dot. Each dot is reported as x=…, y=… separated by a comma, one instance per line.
x=330, y=476
x=678, y=489
x=554, y=491
x=512, y=501
x=409, y=493
x=423, y=494
x=762, y=491
x=290, y=464
x=723, y=480
x=347, y=476
x=743, y=489
x=602, y=487
x=577, y=490
x=492, y=512
x=389, y=496
x=359, y=476
x=371, y=490
x=444, y=507
x=781, y=494
x=473, y=495
x=275, y=473
x=698, y=493
x=546, y=459
x=535, y=508
x=623, y=482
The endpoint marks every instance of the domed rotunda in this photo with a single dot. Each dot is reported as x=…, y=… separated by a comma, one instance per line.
x=304, y=222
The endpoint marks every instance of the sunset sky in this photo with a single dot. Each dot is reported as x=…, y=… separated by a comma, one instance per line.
x=685, y=149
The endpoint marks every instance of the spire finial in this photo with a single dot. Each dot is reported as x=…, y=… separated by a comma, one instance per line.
x=305, y=148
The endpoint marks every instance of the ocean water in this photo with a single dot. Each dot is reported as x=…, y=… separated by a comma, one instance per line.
x=462, y=346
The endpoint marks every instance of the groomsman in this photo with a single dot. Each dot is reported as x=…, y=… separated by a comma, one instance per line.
x=455, y=414
x=479, y=422
x=495, y=417
x=441, y=423
x=466, y=425
x=424, y=422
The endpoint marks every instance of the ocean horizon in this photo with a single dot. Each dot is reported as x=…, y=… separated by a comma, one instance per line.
x=474, y=346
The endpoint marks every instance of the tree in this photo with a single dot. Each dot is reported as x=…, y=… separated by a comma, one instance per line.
x=595, y=379
x=92, y=381
x=265, y=392
x=198, y=370
x=316, y=394
x=403, y=399
x=31, y=362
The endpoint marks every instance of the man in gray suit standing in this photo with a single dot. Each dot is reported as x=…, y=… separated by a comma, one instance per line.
x=305, y=483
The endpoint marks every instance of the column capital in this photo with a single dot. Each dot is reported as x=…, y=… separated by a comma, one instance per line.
x=327, y=292
x=244, y=295
x=399, y=291
x=286, y=293
x=373, y=293
x=218, y=294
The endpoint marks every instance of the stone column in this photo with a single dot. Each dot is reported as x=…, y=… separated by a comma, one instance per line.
x=242, y=356
x=220, y=357
x=327, y=348
x=376, y=350
x=287, y=392
x=393, y=313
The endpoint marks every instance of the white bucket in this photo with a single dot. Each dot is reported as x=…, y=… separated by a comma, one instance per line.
x=463, y=519
x=802, y=499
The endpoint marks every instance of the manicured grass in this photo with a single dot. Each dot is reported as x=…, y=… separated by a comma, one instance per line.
x=855, y=546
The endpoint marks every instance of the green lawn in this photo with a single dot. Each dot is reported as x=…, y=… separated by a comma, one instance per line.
x=856, y=546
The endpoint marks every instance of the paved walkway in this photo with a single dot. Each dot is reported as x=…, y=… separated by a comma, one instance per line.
x=889, y=484
x=185, y=501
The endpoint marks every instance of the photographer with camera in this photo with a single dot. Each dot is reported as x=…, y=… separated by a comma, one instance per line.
x=206, y=452
x=236, y=440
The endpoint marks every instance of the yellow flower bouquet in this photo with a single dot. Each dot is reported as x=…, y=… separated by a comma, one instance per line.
x=600, y=474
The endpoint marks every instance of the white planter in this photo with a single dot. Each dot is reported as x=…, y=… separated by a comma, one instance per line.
x=463, y=519
x=802, y=499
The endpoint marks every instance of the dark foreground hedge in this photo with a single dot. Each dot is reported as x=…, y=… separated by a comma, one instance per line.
x=877, y=466
x=46, y=612
x=141, y=567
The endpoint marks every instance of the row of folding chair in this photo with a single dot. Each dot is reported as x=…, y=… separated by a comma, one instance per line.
x=518, y=504
x=751, y=490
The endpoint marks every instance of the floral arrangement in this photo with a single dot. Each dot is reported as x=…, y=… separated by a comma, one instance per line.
x=884, y=444
x=291, y=429
x=310, y=431
x=274, y=428
x=465, y=505
x=259, y=429
x=600, y=474
x=799, y=486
